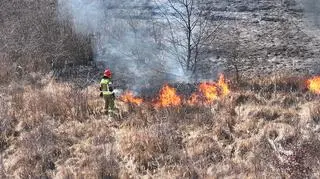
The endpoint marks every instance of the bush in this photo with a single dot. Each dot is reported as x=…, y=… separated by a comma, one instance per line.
x=60, y=102
x=36, y=41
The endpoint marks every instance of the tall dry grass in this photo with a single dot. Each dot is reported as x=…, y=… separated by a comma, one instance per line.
x=58, y=131
x=35, y=40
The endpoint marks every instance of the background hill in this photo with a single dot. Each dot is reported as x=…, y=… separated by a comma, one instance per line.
x=254, y=37
x=52, y=122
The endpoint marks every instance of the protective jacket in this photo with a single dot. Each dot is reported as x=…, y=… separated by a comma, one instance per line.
x=105, y=86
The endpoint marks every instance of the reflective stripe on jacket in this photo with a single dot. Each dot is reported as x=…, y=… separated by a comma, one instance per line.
x=105, y=86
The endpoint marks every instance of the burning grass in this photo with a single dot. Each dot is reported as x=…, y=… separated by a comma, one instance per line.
x=128, y=97
x=314, y=84
x=207, y=93
x=58, y=131
x=168, y=97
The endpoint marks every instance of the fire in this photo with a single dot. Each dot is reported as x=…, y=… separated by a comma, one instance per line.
x=194, y=99
x=207, y=93
x=223, y=86
x=210, y=91
x=128, y=97
x=314, y=84
x=168, y=97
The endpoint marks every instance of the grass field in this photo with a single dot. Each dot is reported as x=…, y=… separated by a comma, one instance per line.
x=59, y=131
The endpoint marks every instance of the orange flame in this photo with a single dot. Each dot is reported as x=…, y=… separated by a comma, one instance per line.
x=223, y=86
x=207, y=93
x=128, y=97
x=168, y=97
x=314, y=84
x=210, y=91
x=194, y=99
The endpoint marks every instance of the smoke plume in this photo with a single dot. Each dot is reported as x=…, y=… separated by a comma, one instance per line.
x=127, y=38
x=312, y=11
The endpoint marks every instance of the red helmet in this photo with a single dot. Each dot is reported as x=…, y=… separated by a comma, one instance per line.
x=107, y=73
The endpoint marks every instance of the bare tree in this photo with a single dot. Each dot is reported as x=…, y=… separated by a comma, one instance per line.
x=234, y=55
x=190, y=31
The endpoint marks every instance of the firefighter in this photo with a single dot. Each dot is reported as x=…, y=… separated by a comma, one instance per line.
x=106, y=91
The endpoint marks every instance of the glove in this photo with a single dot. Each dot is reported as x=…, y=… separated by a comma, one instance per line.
x=110, y=88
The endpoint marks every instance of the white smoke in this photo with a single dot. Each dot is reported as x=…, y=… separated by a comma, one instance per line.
x=312, y=11
x=86, y=15
x=127, y=38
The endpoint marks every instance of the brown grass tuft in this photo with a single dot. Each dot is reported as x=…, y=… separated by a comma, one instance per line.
x=267, y=114
x=315, y=113
x=150, y=148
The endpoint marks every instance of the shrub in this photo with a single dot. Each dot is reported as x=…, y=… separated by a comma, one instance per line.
x=36, y=41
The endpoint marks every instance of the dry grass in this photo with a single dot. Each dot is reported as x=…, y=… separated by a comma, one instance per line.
x=35, y=40
x=58, y=131
x=315, y=113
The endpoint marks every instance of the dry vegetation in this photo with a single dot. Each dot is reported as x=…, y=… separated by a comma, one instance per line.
x=58, y=131
x=266, y=128
x=34, y=40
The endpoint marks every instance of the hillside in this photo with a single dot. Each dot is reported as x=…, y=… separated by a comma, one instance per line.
x=264, y=37
x=261, y=119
